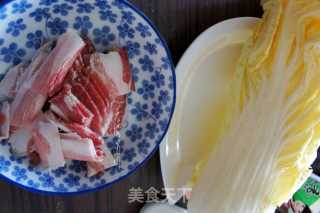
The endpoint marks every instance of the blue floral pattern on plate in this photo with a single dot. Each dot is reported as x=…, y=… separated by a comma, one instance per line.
x=34, y=40
x=12, y=54
x=20, y=7
x=83, y=24
x=39, y=14
x=84, y=8
x=103, y=36
x=108, y=15
x=108, y=23
x=57, y=26
x=62, y=9
x=15, y=27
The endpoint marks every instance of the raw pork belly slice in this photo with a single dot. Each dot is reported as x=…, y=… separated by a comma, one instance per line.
x=87, y=51
x=81, y=77
x=46, y=80
x=37, y=60
x=107, y=162
x=85, y=132
x=26, y=106
x=81, y=130
x=47, y=141
x=105, y=84
x=99, y=89
x=4, y=120
x=116, y=66
x=88, y=93
x=69, y=108
x=117, y=113
x=76, y=148
x=97, y=99
x=127, y=74
x=103, y=108
x=23, y=72
x=81, y=93
x=83, y=96
x=68, y=48
x=8, y=84
x=80, y=73
x=82, y=62
x=57, y=121
x=21, y=141
x=19, y=115
x=112, y=82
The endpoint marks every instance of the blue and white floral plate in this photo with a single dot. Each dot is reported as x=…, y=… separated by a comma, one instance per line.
x=109, y=23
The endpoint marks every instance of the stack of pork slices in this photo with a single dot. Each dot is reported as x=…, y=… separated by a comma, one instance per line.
x=61, y=104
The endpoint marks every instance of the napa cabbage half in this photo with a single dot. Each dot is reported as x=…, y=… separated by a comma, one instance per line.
x=266, y=151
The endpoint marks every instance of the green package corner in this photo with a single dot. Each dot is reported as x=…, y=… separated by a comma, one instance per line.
x=309, y=193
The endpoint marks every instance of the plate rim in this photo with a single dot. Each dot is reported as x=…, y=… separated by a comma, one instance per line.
x=194, y=46
x=164, y=44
